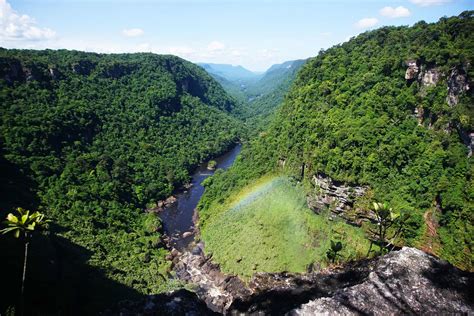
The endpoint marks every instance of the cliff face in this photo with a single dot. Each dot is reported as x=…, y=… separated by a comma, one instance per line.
x=338, y=197
x=408, y=281
x=404, y=282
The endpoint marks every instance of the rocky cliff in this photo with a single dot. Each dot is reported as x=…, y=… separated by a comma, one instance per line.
x=338, y=197
x=404, y=282
x=408, y=281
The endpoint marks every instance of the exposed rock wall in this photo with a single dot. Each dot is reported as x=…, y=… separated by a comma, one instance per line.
x=338, y=197
x=457, y=84
x=403, y=282
x=430, y=77
x=212, y=286
x=412, y=70
x=407, y=282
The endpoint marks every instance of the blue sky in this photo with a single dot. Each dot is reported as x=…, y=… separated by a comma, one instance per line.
x=252, y=33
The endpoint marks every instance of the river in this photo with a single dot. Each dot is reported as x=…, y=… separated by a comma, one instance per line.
x=178, y=218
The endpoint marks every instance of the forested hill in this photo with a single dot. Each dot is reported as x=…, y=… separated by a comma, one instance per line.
x=267, y=93
x=391, y=110
x=92, y=140
x=229, y=72
x=259, y=94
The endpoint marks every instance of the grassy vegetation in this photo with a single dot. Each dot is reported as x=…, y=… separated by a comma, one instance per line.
x=267, y=227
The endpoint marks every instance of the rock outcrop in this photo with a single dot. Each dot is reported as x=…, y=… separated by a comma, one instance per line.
x=430, y=77
x=180, y=302
x=457, y=84
x=412, y=70
x=337, y=196
x=407, y=282
x=212, y=286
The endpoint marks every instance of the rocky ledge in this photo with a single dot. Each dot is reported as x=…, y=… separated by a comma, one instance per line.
x=338, y=197
x=407, y=281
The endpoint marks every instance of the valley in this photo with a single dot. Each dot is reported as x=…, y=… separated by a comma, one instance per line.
x=337, y=183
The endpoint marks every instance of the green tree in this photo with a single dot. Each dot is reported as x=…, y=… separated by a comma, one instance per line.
x=23, y=226
x=332, y=252
x=389, y=225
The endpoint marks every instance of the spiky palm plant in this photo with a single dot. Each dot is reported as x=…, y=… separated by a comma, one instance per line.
x=24, y=225
x=332, y=253
x=389, y=225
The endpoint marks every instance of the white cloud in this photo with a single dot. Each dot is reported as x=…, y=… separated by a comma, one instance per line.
x=398, y=12
x=20, y=27
x=182, y=51
x=215, y=46
x=268, y=53
x=366, y=23
x=144, y=47
x=135, y=32
x=427, y=3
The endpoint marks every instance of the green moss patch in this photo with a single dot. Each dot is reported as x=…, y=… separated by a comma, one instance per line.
x=267, y=227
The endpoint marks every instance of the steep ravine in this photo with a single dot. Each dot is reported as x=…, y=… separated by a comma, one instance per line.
x=408, y=281
x=403, y=282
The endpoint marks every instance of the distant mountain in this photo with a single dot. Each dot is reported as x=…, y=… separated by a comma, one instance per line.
x=275, y=76
x=259, y=94
x=229, y=72
x=287, y=65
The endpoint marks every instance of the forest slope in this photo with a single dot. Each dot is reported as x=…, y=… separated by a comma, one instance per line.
x=92, y=140
x=390, y=110
x=259, y=94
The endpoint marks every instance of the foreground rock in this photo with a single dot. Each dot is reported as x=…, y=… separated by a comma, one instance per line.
x=404, y=282
x=408, y=281
x=180, y=302
x=211, y=285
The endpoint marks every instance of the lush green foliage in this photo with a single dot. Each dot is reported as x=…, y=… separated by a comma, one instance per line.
x=388, y=226
x=259, y=95
x=103, y=136
x=25, y=223
x=351, y=115
x=333, y=252
x=267, y=227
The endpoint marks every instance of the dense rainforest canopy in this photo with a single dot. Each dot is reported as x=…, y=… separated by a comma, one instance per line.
x=258, y=95
x=92, y=140
x=390, y=109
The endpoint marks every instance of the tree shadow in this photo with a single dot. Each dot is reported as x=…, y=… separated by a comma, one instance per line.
x=15, y=187
x=435, y=288
x=59, y=281
x=282, y=299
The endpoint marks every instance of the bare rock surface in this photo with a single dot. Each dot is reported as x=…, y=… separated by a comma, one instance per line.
x=457, y=84
x=408, y=281
x=180, y=302
x=404, y=282
x=215, y=288
x=430, y=77
x=412, y=71
x=338, y=197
